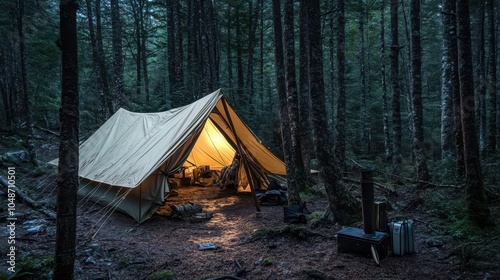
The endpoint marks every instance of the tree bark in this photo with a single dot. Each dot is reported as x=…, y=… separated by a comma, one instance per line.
x=253, y=15
x=494, y=116
x=365, y=125
x=28, y=116
x=477, y=204
x=481, y=70
x=67, y=179
x=136, y=10
x=229, y=54
x=419, y=143
x=261, y=54
x=342, y=207
x=447, y=127
x=143, y=15
x=450, y=10
x=175, y=54
x=396, y=103
x=118, y=68
x=281, y=87
x=5, y=89
x=341, y=102
x=297, y=179
x=207, y=48
x=101, y=64
x=406, y=79
x=239, y=58
x=385, y=106
x=331, y=76
x=304, y=101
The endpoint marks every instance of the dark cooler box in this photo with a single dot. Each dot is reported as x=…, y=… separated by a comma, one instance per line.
x=353, y=240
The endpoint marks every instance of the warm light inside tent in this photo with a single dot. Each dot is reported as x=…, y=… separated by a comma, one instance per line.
x=217, y=139
x=211, y=149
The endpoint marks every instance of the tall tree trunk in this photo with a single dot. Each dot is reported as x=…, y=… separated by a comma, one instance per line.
x=449, y=8
x=229, y=54
x=24, y=84
x=385, y=106
x=239, y=59
x=304, y=101
x=406, y=79
x=396, y=103
x=332, y=50
x=494, y=116
x=261, y=54
x=67, y=179
x=253, y=15
x=193, y=58
x=341, y=205
x=477, y=203
x=6, y=90
x=207, y=48
x=143, y=15
x=136, y=10
x=297, y=179
x=416, y=88
x=175, y=54
x=179, y=53
x=447, y=140
x=118, y=68
x=365, y=126
x=282, y=95
x=103, y=72
x=481, y=69
x=95, y=57
x=341, y=102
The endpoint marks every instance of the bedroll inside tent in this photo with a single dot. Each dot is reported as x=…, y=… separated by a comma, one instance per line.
x=131, y=161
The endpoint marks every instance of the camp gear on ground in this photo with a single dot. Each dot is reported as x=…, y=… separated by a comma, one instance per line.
x=294, y=214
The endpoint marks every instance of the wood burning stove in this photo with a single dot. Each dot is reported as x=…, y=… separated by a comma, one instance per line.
x=367, y=240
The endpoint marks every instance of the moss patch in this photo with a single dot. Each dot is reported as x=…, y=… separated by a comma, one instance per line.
x=162, y=275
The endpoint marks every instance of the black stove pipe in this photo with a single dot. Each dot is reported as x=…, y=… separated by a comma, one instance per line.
x=368, y=201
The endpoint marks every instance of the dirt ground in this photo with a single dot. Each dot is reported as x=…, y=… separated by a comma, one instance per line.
x=116, y=247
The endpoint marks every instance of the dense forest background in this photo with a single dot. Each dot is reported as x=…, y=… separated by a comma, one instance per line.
x=408, y=88
x=155, y=55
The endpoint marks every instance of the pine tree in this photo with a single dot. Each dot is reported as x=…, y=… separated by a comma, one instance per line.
x=477, y=204
x=67, y=179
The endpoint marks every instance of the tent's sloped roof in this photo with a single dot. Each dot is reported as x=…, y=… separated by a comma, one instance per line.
x=128, y=147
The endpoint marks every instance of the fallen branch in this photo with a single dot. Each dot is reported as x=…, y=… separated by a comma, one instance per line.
x=492, y=193
x=378, y=186
x=466, y=251
x=426, y=183
x=241, y=270
x=26, y=199
x=47, y=130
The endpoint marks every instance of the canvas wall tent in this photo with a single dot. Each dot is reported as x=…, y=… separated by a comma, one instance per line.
x=125, y=163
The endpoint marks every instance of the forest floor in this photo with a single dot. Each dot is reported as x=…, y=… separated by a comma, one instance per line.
x=250, y=244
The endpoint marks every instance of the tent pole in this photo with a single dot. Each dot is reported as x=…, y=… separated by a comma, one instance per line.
x=243, y=157
x=140, y=202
